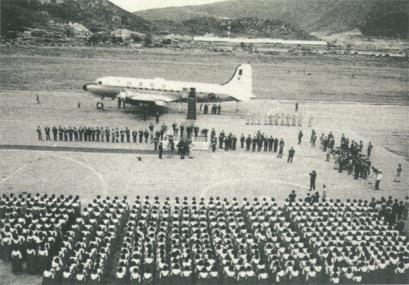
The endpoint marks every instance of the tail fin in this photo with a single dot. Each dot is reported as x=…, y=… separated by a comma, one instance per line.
x=240, y=86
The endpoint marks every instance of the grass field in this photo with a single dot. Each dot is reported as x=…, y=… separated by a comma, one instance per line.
x=338, y=79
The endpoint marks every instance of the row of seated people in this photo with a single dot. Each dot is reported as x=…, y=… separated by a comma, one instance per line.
x=32, y=228
x=89, y=244
x=357, y=244
x=213, y=241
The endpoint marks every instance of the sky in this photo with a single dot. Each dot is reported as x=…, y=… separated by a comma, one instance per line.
x=138, y=5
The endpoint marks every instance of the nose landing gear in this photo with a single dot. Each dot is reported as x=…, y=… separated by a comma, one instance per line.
x=100, y=105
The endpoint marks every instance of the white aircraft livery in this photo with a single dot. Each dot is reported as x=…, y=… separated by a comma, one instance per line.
x=160, y=92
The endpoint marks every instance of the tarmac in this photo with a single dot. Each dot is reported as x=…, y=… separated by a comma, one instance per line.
x=105, y=168
x=89, y=169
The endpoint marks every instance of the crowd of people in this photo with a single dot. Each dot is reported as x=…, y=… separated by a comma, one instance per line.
x=256, y=143
x=170, y=140
x=117, y=135
x=354, y=241
x=350, y=156
x=33, y=228
x=205, y=241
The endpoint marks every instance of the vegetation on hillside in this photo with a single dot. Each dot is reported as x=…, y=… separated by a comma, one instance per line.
x=250, y=27
x=96, y=15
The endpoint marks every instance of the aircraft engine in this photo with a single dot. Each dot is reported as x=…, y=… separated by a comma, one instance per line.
x=211, y=96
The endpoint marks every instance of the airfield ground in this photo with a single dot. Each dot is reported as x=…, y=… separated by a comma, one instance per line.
x=372, y=105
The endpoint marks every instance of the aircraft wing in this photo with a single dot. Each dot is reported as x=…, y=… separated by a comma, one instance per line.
x=157, y=99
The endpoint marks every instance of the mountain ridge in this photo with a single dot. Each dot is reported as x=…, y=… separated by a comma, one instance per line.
x=330, y=16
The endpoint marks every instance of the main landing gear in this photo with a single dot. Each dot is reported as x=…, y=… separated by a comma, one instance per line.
x=121, y=103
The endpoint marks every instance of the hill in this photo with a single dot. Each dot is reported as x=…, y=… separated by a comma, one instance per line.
x=329, y=16
x=249, y=26
x=96, y=15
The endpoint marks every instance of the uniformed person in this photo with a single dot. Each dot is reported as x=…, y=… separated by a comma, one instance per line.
x=117, y=133
x=47, y=133
x=146, y=135
x=75, y=130
x=291, y=153
x=248, y=143
x=107, y=134
x=65, y=132
x=213, y=143
x=122, y=134
x=97, y=132
x=134, y=136
x=127, y=135
x=242, y=140
x=253, y=143
x=113, y=135
x=160, y=150
x=300, y=135
x=60, y=133
x=55, y=131
x=281, y=148
x=40, y=136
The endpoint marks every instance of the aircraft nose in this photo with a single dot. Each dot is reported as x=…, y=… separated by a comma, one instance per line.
x=85, y=87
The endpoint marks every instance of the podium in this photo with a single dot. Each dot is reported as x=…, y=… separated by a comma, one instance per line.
x=191, y=105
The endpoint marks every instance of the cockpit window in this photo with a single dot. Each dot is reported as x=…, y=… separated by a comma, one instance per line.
x=240, y=71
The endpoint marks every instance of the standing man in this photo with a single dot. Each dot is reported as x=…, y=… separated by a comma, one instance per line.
x=122, y=135
x=155, y=143
x=281, y=149
x=213, y=143
x=160, y=150
x=378, y=180
x=107, y=133
x=292, y=197
x=242, y=139
x=47, y=134
x=369, y=150
x=219, y=108
x=270, y=144
x=234, y=142
x=40, y=136
x=313, y=178
x=157, y=118
x=75, y=131
x=398, y=172
x=54, y=130
x=300, y=135
x=37, y=99
x=134, y=136
x=70, y=133
x=128, y=135
x=206, y=109
x=140, y=132
x=291, y=153
x=146, y=135
x=296, y=106
x=248, y=143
